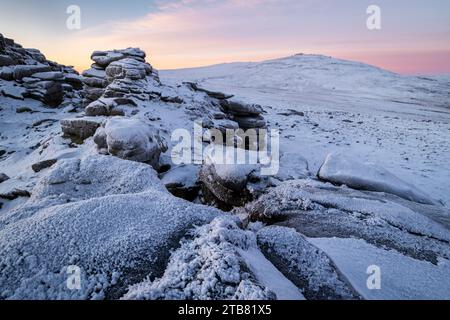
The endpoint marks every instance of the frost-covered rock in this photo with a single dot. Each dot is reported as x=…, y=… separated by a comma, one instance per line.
x=103, y=59
x=250, y=122
x=54, y=75
x=228, y=184
x=6, y=60
x=41, y=165
x=182, y=181
x=131, y=139
x=316, y=209
x=292, y=166
x=212, y=94
x=339, y=169
x=13, y=92
x=14, y=194
x=94, y=73
x=34, y=76
x=207, y=266
x=111, y=219
x=50, y=92
x=248, y=116
x=22, y=71
x=108, y=107
x=119, y=74
x=239, y=108
x=82, y=128
x=3, y=177
x=304, y=264
x=127, y=68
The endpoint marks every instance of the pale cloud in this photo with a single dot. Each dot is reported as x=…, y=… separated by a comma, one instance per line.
x=184, y=33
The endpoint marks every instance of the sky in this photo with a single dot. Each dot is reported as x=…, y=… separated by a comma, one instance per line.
x=414, y=37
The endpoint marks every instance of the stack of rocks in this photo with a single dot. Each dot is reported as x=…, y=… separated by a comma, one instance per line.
x=248, y=116
x=117, y=78
x=131, y=139
x=233, y=114
x=26, y=73
x=226, y=184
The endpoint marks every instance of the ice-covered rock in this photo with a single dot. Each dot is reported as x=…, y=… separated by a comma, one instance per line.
x=207, y=266
x=6, y=60
x=131, y=139
x=94, y=73
x=248, y=116
x=317, y=209
x=119, y=73
x=22, y=71
x=111, y=219
x=13, y=92
x=339, y=169
x=105, y=58
x=50, y=92
x=212, y=94
x=292, y=166
x=14, y=194
x=41, y=165
x=3, y=177
x=53, y=75
x=82, y=128
x=108, y=106
x=250, y=122
x=224, y=124
x=182, y=181
x=34, y=76
x=239, y=108
x=127, y=68
x=230, y=184
x=304, y=264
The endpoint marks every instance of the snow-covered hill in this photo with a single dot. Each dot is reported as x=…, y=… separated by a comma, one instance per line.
x=321, y=81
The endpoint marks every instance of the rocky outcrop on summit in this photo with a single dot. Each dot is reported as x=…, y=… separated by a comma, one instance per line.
x=119, y=74
x=248, y=116
x=26, y=73
x=233, y=113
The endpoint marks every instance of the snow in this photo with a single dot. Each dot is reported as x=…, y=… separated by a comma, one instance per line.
x=402, y=278
x=305, y=265
x=206, y=267
x=184, y=175
x=339, y=169
x=133, y=139
x=269, y=276
x=229, y=168
x=106, y=235
x=94, y=73
x=321, y=210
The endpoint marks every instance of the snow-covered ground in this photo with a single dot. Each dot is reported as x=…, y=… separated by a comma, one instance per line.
x=401, y=123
